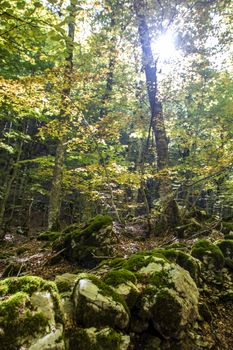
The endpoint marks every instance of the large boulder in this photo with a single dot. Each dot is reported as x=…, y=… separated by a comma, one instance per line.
x=98, y=305
x=86, y=245
x=30, y=315
x=169, y=298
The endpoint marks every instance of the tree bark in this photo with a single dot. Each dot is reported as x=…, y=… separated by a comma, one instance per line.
x=157, y=120
x=7, y=188
x=56, y=189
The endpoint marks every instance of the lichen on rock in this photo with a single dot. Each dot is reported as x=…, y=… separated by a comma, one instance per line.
x=98, y=305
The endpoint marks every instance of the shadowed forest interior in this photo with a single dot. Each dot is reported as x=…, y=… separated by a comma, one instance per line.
x=116, y=181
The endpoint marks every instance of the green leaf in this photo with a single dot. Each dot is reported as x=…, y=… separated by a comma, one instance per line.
x=21, y=5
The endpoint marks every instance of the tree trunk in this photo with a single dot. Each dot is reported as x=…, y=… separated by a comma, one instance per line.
x=56, y=190
x=157, y=120
x=7, y=189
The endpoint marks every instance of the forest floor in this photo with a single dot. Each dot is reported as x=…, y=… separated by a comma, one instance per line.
x=33, y=257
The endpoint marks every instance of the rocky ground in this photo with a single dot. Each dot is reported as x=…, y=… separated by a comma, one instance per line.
x=174, y=277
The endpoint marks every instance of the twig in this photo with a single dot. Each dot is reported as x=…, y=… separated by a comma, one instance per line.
x=102, y=257
x=53, y=256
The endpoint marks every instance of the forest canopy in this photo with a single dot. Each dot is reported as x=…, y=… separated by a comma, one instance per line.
x=114, y=107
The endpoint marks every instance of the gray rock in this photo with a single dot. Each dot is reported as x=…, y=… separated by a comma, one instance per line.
x=170, y=298
x=98, y=305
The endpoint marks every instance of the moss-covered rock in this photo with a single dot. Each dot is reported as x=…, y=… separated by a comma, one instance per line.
x=169, y=290
x=141, y=260
x=209, y=254
x=66, y=282
x=49, y=236
x=116, y=277
x=98, y=305
x=124, y=282
x=94, y=339
x=186, y=261
x=30, y=314
x=96, y=223
x=88, y=244
x=170, y=304
x=226, y=247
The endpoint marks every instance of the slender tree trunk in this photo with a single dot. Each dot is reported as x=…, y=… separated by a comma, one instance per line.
x=55, y=193
x=7, y=189
x=56, y=190
x=157, y=120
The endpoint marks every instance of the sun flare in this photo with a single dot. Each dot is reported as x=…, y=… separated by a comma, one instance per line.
x=164, y=47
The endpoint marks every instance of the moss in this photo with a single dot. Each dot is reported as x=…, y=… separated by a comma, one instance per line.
x=114, y=278
x=124, y=282
x=71, y=228
x=184, y=260
x=62, y=242
x=159, y=279
x=95, y=224
x=116, y=262
x=26, y=284
x=18, y=319
x=80, y=246
x=9, y=307
x=65, y=282
x=181, y=246
x=48, y=236
x=158, y=253
x=79, y=339
x=29, y=285
x=111, y=340
x=137, y=261
x=208, y=253
x=91, y=338
x=113, y=263
x=167, y=304
x=149, y=292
